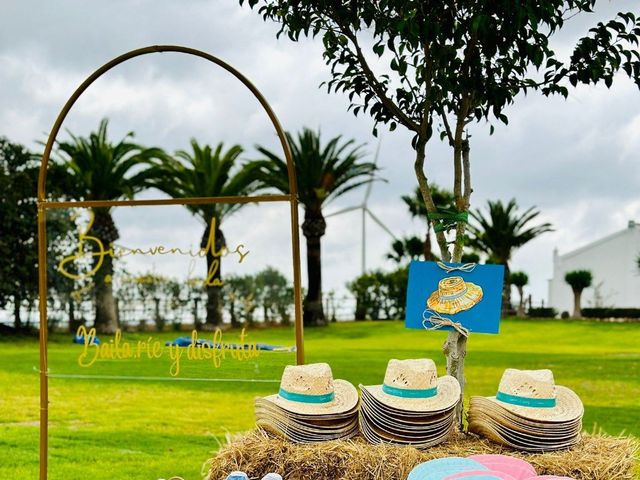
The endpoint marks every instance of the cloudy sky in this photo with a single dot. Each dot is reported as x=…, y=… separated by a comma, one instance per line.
x=576, y=160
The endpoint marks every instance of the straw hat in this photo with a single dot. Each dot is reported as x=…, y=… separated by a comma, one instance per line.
x=454, y=295
x=414, y=386
x=311, y=390
x=533, y=394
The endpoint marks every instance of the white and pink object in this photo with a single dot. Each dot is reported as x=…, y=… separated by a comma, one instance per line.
x=516, y=467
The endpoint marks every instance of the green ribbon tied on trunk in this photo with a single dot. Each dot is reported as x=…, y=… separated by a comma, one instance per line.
x=445, y=220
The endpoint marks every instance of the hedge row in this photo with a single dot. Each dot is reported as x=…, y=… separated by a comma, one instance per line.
x=611, y=312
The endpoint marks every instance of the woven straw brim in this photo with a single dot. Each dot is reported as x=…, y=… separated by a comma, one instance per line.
x=481, y=405
x=297, y=436
x=537, y=430
x=448, y=395
x=568, y=407
x=531, y=436
x=376, y=436
x=494, y=433
x=403, y=431
x=471, y=297
x=330, y=418
x=345, y=399
x=400, y=416
x=266, y=414
x=394, y=424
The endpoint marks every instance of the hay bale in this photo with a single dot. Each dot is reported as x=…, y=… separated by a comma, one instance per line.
x=596, y=457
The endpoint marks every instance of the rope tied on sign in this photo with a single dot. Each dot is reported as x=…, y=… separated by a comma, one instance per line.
x=467, y=267
x=437, y=321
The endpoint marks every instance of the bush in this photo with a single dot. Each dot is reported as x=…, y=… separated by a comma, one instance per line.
x=542, y=312
x=611, y=312
x=380, y=295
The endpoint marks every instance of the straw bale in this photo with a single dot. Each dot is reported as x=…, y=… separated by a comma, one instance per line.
x=596, y=457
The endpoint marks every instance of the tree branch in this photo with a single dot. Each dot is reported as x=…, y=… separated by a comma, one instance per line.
x=378, y=89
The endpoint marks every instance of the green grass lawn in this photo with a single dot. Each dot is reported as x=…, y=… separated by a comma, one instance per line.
x=149, y=429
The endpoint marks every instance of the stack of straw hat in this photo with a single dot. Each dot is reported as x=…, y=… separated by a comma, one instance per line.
x=529, y=412
x=412, y=407
x=310, y=406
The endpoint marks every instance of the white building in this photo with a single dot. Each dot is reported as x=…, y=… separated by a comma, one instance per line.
x=613, y=262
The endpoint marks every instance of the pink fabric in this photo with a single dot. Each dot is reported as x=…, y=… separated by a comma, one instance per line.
x=516, y=467
x=472, y=473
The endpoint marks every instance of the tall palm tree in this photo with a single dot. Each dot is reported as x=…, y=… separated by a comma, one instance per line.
x=96, y=169
x=207, y=172
x=503, y=231
x=442, y=198
x=323, y=174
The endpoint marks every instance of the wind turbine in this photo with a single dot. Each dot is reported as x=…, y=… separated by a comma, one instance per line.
x=364, y=209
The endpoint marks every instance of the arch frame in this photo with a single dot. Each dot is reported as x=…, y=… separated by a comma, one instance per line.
x=43, y=205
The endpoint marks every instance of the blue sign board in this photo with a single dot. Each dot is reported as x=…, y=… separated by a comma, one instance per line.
x=468, y=295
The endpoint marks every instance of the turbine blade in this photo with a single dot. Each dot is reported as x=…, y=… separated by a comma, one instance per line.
x=380, y=224
x=344, y=210
x=370, y=184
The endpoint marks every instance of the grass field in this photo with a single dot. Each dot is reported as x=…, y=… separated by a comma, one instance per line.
x=149, y=429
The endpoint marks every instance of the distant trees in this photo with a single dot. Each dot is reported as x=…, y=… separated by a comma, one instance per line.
x=18, y=256
x=98, y=169
x=504, y=229
x=519, y=280
x=578, y=280
x=406, y=249
x=207, y=172
x=18, y=227
x=380, y=295
x=324, y=173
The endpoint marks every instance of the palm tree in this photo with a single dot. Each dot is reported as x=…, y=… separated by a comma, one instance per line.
x=443, y=200
x=407, y=248
x=500, y=233
x=519, y=279
x=96, y=169
x=578, y=280
x=323, y=174
x=205, y=172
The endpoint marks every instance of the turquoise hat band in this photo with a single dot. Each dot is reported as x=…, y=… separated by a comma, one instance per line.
x=410, y=392
x=526, y=401
x=305, y=398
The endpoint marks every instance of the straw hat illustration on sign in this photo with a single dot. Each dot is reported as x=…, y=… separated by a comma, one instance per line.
x=454, y=295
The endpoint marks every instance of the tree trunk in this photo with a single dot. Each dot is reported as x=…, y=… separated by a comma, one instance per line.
x=106, y=318
x=577, y=310
x=506, y=291
x=313, y=228
x=428, y=254
x=521, y=304
x=214, y=242
x=17, y=318
x=71, y=309
x=455, y=347
x=103, y=228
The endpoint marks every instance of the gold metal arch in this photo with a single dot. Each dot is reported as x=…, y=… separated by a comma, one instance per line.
x=44, y=205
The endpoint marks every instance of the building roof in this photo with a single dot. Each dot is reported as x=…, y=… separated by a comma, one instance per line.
x=632, y=226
